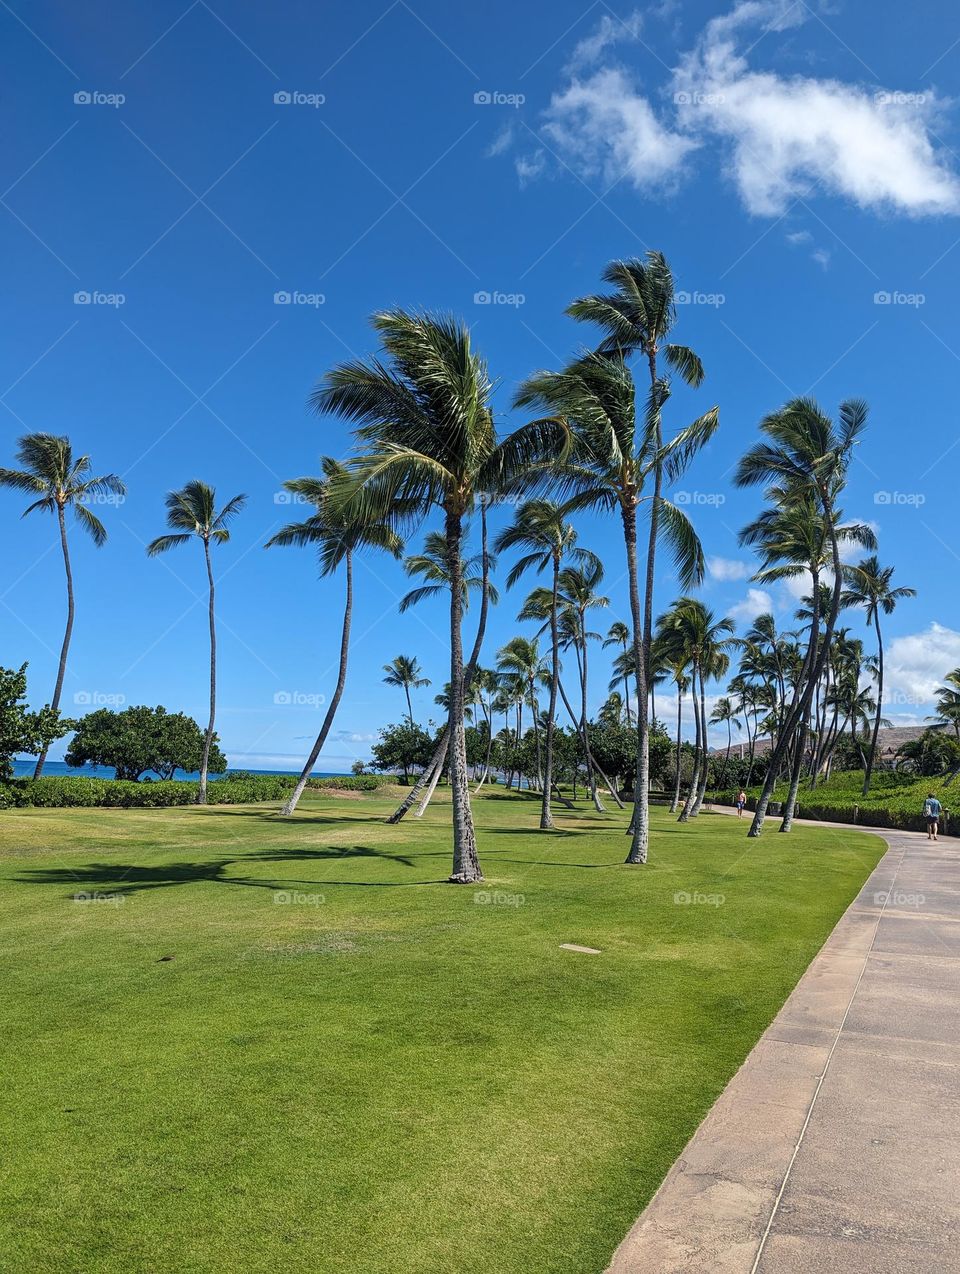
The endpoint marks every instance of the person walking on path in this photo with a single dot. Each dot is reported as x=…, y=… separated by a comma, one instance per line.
x=741, y=802
x=932, y=809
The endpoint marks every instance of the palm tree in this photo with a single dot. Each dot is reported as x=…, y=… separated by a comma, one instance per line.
x=431, y=565
x=484, y=688
x=612, y=458
x=192, y=511
x=725, y=712
x=619, y=635
x=404, y=672
x=803, y=463
x=521, y=665
x=869, y=586
x=539, y=527
x=57, y=482
x=336, y=539
x=426, y=437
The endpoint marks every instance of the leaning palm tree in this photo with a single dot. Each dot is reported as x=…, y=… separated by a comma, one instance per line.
x=539, y=526
x=869, y=586
x=619, y=635
x=192, y=511
x=404, y=673
x=613, y=456
x=336, y=540
x=803, y=463
x=57, y=482
x=426, y=437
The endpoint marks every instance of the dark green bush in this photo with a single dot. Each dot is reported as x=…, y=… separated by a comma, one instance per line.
x=57, y=791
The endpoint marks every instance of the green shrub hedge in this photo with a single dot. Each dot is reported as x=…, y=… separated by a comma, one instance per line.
x=352, y=782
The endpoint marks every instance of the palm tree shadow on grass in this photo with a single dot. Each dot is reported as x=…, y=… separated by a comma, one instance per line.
x=122, y=879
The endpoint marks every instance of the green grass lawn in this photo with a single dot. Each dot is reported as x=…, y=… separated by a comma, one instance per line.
x=385, y=1074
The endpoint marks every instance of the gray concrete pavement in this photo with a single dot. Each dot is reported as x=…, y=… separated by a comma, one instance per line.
x=836, y=1146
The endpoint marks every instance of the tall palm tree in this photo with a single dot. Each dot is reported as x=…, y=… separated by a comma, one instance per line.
x=637, y=317
x=539, y=526
x=404, y=673
x=57, y=482
x=619, y=635
x=613, y=456
x=426, y=436
x=336, y=538
x=803, y=463
x=725, y=713
x=192, y=511
x=520, y=664
x=869, y=585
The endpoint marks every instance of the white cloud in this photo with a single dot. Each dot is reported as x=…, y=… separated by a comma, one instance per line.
x=502, y=142
x=608, y=130
x=610, y=30
x=821, y=256
x=725, y=569
x=757, y=602
x=799, y=236
x=916, y=664
x=530, y=167
x=778, y=137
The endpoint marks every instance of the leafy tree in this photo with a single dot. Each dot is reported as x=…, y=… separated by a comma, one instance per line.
x=20, y=729
x=50, y=473
x=402, y=747
x=336, y=537
x=140, y=740
x=431, y=565
x=192, y=511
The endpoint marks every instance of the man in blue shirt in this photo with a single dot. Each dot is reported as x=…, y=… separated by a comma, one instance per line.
x=932, y=809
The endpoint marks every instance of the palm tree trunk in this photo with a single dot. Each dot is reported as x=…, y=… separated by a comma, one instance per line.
x=331, y=712
x=726, y=756
x=640, y=823
x=676, y=786
x=626, y=692
x=589, y=760
x=689, y=809
x=439, y=757
x=406, y=689
x=67, y=632
x=466, y=864
x=591, y=766
x=486, y=764
x=868, y=774
x=208, y=737
x=705, y=772
x=546, y=817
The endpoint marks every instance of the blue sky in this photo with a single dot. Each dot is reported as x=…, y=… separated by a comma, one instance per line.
x=796, y=164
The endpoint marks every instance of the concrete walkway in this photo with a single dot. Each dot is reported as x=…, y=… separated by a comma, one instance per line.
x=836, y=1146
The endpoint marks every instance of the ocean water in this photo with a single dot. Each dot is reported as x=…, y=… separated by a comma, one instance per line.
x=25, y=768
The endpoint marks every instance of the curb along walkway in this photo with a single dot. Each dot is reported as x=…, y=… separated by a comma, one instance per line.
x=836, y=1146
